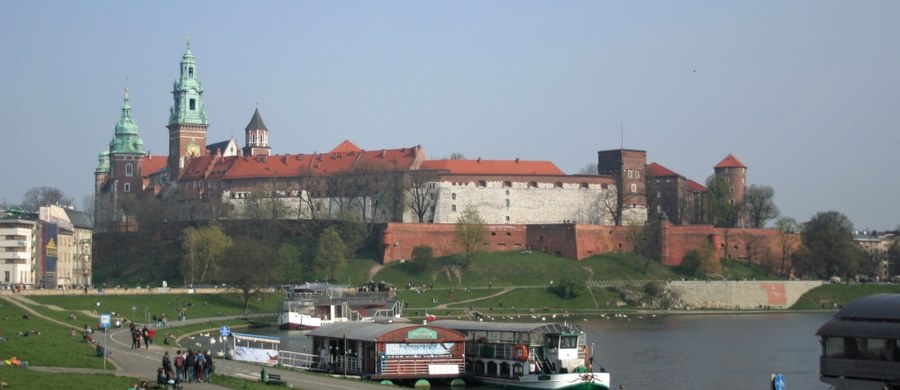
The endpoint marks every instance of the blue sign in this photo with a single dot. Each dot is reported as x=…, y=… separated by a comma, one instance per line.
x=105, y=321
x=778, y=382
x=224, y=331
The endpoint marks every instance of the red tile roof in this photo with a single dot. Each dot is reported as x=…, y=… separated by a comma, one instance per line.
x=153, y=164
x=654, y=169
x=730, y=162
x=696, y=186
x=346, y=147
x=294, y=165
x=493, y=167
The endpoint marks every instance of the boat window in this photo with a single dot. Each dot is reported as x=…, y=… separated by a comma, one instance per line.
x=857, y=348
x=569, y=342
x=552, y=341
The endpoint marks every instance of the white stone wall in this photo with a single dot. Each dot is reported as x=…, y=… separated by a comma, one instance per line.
x=520, y=202
x=741, y=294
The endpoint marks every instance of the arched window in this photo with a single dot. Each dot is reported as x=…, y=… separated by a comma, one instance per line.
x=634, y=188
x=127, y=187
x=129, y=169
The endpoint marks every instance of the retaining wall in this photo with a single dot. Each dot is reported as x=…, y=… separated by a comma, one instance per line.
x=741, y=294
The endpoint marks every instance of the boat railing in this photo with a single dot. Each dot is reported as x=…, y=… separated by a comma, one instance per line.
x=418, y=366
x=296, y=359
x=346, y=363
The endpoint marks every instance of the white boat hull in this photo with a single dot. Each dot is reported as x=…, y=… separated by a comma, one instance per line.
x=571, y=381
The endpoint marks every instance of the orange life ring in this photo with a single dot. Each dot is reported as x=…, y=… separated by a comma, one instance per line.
x=521, y=352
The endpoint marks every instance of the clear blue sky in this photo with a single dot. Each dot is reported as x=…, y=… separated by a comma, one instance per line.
x=806, y=93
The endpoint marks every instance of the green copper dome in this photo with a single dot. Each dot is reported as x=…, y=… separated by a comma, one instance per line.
x=103, y=167
x=126, y=140
x=188, y=94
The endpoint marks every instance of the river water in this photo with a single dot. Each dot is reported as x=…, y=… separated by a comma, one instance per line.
x=690, y=352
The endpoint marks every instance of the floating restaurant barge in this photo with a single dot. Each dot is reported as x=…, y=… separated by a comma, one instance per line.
x=861, y=345
x=311, y=305
x=392, y=351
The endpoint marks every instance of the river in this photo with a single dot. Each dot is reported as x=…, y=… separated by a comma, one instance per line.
x=690, y=352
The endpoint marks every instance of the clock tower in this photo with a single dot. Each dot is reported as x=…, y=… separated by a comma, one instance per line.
x=187, y=118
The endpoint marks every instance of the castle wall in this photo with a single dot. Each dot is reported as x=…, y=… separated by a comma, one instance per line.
x=399, y=239
x=523, y=200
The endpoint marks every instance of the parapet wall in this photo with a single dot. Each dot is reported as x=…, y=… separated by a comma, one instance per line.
x=741, y=294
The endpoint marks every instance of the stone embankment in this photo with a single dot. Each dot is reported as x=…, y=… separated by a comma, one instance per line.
x=741, y=294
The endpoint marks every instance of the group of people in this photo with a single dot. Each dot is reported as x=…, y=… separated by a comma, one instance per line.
x=144, y=334
x=187, y=366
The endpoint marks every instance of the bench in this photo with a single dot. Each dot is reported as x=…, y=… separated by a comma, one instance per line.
x=274, y=379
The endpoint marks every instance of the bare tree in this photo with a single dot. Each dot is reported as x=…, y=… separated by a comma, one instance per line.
x=588, y=169
x=309, y=187
x=43, y=196
x=421, y=192
x=759, y=205
x=87, y=207
x=248, y=266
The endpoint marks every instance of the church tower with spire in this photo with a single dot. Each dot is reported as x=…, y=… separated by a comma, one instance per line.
x=187, y=118
x=120, y=169
x=257, y=141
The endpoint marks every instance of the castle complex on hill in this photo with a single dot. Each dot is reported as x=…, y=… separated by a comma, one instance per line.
x=394, y=187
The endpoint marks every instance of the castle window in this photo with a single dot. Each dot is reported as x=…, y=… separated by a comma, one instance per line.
x=558, y=184
x=507, y=184
x=127, y=187
x=193, y=104
x=482, y=183
x=453, y=207
x=584, y=185
x=129, y=169
x=507, y=218
x=634, y=188
x=532, y=184
x=658, y=195
x=637, y=174
x=507, y=192
x=630, y=174
x=727, y=179
x=507, y=203
x=453, y=196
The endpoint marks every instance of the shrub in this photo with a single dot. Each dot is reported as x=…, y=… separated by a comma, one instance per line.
x=422, y=252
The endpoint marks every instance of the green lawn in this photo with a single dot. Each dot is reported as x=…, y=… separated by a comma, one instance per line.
x=824, y=297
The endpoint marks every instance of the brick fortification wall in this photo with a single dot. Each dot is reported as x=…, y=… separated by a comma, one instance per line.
x=399, y=239
x=577, y=242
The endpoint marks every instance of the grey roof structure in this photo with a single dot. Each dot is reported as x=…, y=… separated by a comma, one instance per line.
x=79, y=219
x=358, y=330
x=875, y=316
x=522, y=327
x=256, y=122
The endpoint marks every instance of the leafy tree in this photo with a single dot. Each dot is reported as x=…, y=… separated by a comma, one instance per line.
x=42, y=196
x=569, y=287
x=422, y=253
x=470, y=233
x=646, y=239
x=247, y=266
x=352, y=231
x=701, y=262
x=759, y=206
x=204, y=246
x=829, y=247
x=788, y=228
x=893, y=255
x=290, y=268
x=330, y=251
x=721, y=210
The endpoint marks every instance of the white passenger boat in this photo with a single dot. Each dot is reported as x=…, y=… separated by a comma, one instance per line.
x=312, y=305
x=529, y=355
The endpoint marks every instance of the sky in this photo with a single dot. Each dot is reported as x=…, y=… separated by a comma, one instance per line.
x=805, y=93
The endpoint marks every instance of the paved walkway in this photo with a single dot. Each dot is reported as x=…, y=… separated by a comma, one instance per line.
x=143, y=363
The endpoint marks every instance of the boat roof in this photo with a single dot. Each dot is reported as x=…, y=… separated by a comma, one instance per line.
x=355, y=330
x=874, y=316
x=525, y=327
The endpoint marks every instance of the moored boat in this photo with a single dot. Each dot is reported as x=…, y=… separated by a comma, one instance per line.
x=312, y=305
x=528, y=355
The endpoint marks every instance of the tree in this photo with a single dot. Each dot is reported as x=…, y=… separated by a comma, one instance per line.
x=588, y=169
x=829, y=247
x=87, y=207
x=352, y=231
x=787, y=242
x=646, y=242
x=247, y=266
x=330, y=250
x=470, y=233
x=701, y=262
x=721, y=210
x=420, y=191
x=759, y=206
x=893, y=255
x=204, y=246
x=43, y=196
x=569, y=287
x=290, y=268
